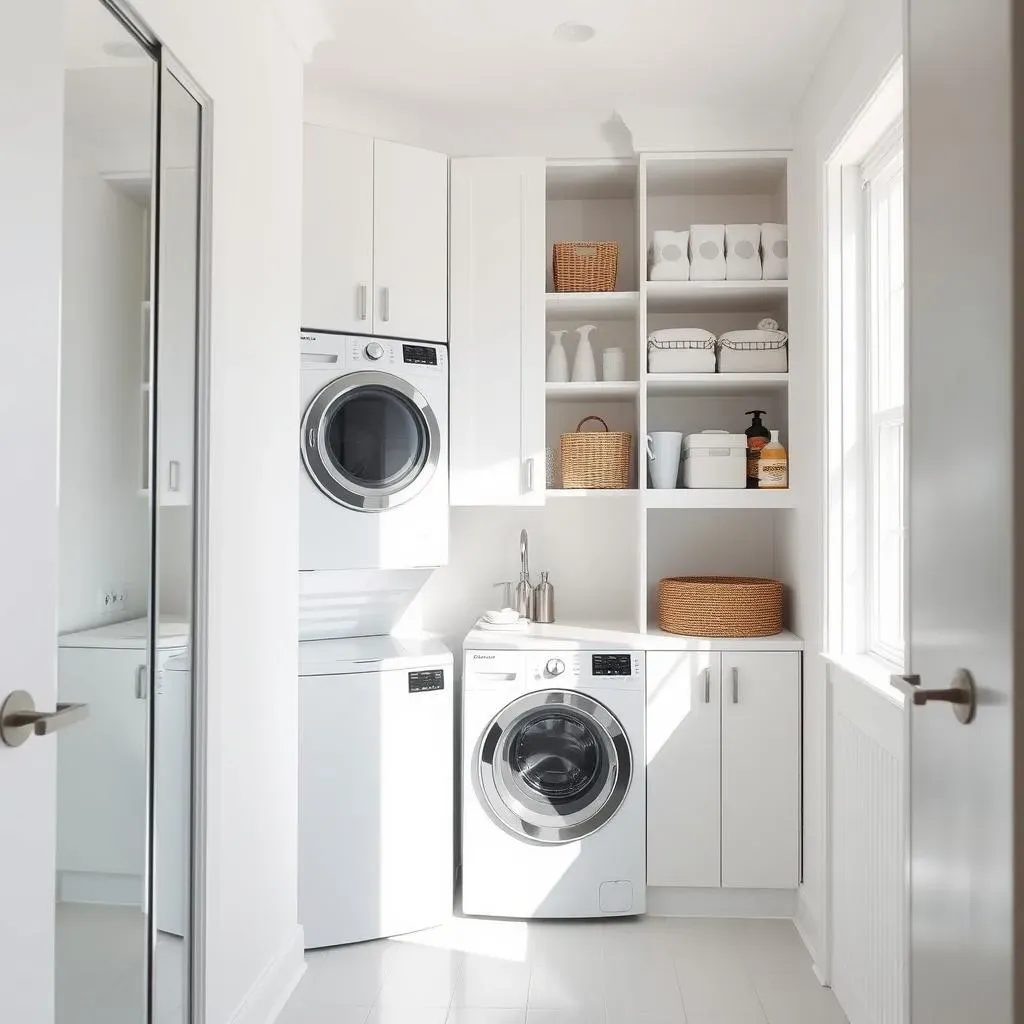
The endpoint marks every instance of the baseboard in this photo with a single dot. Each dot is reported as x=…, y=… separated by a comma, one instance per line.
x=676, y=902
x=807, y=929
x=273, y=988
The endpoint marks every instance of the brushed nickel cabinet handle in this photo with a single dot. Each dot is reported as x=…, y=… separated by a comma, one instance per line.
x=735, y=686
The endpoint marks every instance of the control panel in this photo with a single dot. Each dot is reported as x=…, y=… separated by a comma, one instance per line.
x=421, y=355
x=611, y=665
x=422, y=682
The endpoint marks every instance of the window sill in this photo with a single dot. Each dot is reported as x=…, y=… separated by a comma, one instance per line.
x=873, y=672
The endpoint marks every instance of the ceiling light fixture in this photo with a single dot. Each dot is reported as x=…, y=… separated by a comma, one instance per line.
x=574, y=32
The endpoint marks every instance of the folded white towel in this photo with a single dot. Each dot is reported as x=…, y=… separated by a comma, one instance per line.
x=518, y=626
x=504, y=617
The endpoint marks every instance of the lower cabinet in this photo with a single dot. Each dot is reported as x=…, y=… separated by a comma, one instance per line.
x=723, y=769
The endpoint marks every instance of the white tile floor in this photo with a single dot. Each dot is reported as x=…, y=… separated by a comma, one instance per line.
x=631, y=971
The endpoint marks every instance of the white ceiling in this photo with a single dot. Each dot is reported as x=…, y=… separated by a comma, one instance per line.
x=497, y=55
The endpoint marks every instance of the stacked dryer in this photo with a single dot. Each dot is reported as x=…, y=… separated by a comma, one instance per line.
x=376, y=711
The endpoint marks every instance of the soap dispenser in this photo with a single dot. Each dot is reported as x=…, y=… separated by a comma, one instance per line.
x=758, y=436
x=544, y=600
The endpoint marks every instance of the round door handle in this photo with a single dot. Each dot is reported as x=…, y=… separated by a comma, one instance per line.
x=374, y=351
x=555, y=667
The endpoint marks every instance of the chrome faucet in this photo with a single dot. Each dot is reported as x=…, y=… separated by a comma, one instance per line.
x=524, y=603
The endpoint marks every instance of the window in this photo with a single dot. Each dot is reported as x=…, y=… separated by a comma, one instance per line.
x=866, y=591
x=882, y=185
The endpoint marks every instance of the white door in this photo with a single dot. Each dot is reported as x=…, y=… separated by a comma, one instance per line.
x=684, y=781
x=337, y=231
x=761, y=770
x=31, y=202
x=965, y=392
x=410, y=242
x=497, y=343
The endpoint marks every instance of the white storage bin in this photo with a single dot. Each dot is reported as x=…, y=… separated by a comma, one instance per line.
x=707, y=252
x=669, y=256
x=743, y=252
x=715, y=458
x=681, y=350
x=775, y=252
x=756, y=351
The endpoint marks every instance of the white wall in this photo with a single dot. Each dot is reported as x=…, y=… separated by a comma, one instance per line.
x=244, y=59
x=862, y=50
x=104, y=523
x=556, y=132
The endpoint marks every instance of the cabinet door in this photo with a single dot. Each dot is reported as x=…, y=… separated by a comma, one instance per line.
x=410, y=242
x=337, y=231
x=176, y=336
x=497, y=346
x=101, y=778
x=761, y=770
x=683, y=768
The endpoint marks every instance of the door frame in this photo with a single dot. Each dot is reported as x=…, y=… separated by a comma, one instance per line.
x=168, y=63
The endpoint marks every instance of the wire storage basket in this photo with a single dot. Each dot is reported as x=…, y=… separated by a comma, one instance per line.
x=720, y=606
x=585, y=266
x=596, y=459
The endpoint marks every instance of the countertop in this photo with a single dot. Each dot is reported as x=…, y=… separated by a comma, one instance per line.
x=597, y=636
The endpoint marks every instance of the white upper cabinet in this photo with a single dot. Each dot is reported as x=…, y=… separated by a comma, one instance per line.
x=337, y=231
x=684, y=750
x=497, y=331
x=375, y=237
x=761, y=770
x=410, y=242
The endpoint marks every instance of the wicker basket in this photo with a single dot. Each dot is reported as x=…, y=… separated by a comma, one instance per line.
x=596, y=460
x=585, y=266
x=719, y=606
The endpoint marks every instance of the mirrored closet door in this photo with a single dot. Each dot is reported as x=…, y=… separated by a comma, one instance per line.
x=131, y=355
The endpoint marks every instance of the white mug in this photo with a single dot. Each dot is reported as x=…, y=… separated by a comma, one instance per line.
x=663, y=449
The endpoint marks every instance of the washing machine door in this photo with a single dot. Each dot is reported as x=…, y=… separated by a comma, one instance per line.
x=555, y=766
x=370, y=441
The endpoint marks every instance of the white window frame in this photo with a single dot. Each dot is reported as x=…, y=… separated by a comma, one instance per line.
x=866, y=153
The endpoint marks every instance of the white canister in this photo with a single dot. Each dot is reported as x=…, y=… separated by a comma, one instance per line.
x=715, y=458
x=613, y=364
x=663, y=448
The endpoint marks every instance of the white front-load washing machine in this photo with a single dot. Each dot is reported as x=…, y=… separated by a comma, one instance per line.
x=376, y=788
x=553, y=784
x=373, y=446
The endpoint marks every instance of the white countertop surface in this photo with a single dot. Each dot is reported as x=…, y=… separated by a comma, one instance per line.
x=129, y=635
x=596, y=636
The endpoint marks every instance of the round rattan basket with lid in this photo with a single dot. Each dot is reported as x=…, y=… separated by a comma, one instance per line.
x=720, y=606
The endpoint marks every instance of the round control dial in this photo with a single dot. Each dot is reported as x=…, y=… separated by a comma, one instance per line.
x=374, y=351
x=554, y=667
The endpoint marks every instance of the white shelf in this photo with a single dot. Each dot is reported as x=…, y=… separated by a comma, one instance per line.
x=596, y=391
x=715, y=383
x=592, y=305
x=714, y=296
x=659, y=639
x=712, y=498
x=591, y=494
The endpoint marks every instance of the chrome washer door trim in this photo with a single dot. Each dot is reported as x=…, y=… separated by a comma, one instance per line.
x=320, y=466
x=542, y=821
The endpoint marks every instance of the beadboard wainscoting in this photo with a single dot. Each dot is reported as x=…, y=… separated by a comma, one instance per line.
x=868, y=756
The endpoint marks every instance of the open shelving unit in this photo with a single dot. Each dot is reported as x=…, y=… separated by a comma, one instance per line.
x=679, y=531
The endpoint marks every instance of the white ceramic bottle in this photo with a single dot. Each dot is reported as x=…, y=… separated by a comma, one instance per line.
x=558, y=361
x=584, y=366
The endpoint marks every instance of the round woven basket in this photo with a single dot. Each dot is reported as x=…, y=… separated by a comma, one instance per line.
x=596, y=460
x=713, y=606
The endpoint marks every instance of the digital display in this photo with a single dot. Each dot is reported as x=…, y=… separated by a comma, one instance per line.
x=421, y=682
x=422, y=354
x=612, y=665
